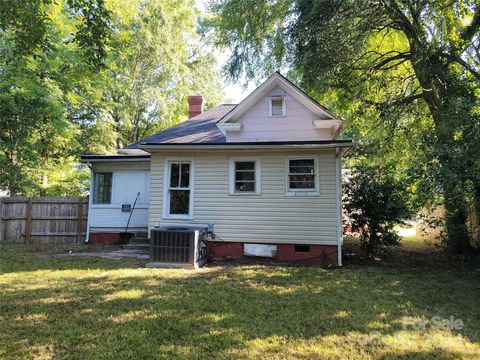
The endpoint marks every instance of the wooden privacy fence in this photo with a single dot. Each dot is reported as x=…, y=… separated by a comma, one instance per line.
x=43, y=220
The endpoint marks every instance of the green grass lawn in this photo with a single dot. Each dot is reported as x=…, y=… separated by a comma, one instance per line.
x=88, y=308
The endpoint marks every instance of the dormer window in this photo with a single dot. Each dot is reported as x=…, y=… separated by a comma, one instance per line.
x=277, y=106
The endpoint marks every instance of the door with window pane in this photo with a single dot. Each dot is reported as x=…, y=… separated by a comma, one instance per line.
x=179, y=189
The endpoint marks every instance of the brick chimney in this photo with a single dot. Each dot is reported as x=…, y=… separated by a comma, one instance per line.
x=195, y=106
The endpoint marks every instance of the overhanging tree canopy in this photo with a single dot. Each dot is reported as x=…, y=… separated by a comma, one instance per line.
x=405, y=61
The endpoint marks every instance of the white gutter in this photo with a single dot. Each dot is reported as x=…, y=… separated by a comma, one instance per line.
x=247, y=146
x=106, y=159
x=132, y=152
x=338, y=190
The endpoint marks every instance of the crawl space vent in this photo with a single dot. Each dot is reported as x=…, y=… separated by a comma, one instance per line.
x=260, y=250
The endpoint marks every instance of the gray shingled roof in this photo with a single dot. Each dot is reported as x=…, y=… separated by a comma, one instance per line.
x=201, y=129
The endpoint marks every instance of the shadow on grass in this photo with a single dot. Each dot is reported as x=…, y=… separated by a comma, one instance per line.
x=21, y=257
x=421, y=355
x=412, y=253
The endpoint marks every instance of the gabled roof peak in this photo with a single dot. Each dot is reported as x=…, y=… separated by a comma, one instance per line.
x=274, y=80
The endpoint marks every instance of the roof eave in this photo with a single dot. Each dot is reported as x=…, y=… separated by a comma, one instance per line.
x=131, y=152
x=114, y=158
x=280, y=80
x=249, y=146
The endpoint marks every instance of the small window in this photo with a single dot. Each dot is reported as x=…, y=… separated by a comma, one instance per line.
x=244, y=176
x=277, y=106
x=102, y=187
x=302, y=248
x=179, y=189
x=302, y=175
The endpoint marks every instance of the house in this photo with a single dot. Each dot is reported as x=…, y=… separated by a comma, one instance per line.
x=264, y=172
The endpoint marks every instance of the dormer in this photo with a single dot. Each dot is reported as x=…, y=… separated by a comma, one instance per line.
x=279, y=111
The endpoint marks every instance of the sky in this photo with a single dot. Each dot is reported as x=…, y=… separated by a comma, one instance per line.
x=234, y=93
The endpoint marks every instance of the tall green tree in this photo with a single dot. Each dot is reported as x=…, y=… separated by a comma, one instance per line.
x=409, y=64
x=88, y=76
x=38, y=41
x=155, y=64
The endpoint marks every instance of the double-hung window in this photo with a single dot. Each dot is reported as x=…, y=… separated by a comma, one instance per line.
x=277, y=106
x=179, y=189
x=244, y=176
x=102, y=187
x=302, y=176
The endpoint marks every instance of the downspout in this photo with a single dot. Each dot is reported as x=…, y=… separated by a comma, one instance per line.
x=338, y=190
x=90, y=196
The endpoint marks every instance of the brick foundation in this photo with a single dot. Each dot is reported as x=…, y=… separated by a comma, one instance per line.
x=104, y=238
x=318, y=254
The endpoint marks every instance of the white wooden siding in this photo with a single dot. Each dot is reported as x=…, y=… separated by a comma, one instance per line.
x=112, y=219
x=297, y=125
x=271, y=217
x=129, y=178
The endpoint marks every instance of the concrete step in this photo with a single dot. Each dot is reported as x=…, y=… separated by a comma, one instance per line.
x=145, y=248
x=136, y=240
x=140, y=234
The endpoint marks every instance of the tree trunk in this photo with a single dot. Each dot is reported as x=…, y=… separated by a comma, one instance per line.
x=118, y=128
x=456, y=216
x=44, y=186
x=457, y=238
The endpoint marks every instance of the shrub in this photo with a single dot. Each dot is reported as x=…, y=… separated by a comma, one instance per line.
x=375, y=203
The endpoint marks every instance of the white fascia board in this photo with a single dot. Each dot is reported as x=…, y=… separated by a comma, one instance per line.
x=230, y=127
x=327, y=124
x=132, y=152
x=250, y=100
x=334, y=124
x=248, y=146
x=107, y=160
x=298, y=95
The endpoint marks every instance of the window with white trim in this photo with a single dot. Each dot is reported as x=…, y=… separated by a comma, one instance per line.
x=302, y=175
x=179, y=188
x=102, y=187
x=244, y=176
x=277, y=106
